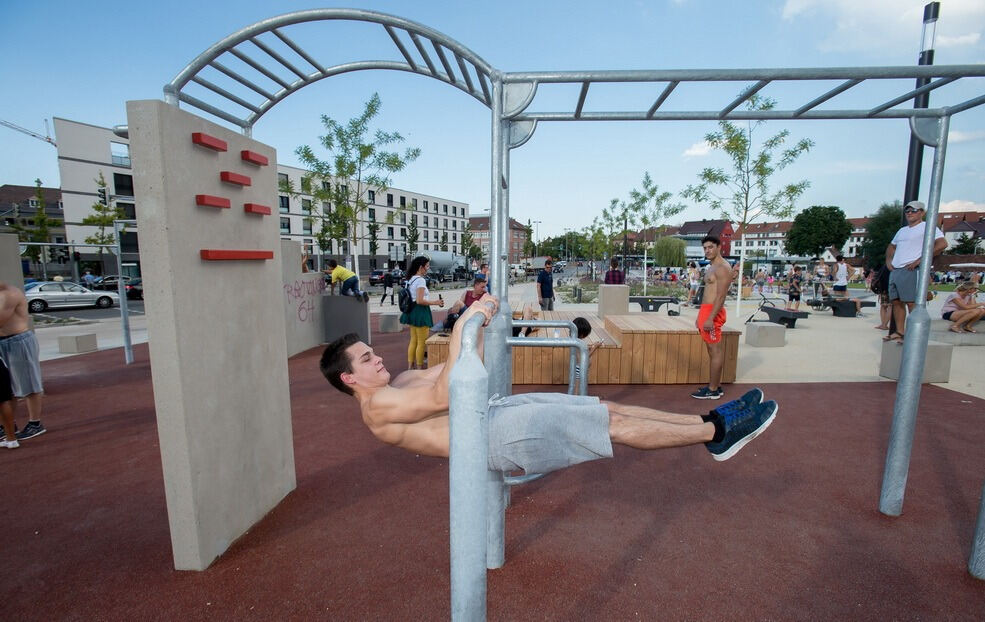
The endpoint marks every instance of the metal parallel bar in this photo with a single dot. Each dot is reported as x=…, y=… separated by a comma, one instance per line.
x=747, y=75
x=914, y=352
x=468, y=468
x=579, y=350
x=277, y=57
x=581, y=99
x=971, y=103
x=444, y=62
x=976, y=562
x=235, y=76
x=663, y=97
x=902, y=98
x=252, y=63
x=823, y=98
x=424, y=54
x=741, y=115
x=465, y=72
x=297, y=50
x=221, y=91
x=485, y=86
x=400, y=46
x=746, y=94
x=212, y=110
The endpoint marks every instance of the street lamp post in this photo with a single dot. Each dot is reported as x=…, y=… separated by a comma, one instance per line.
x=536, y=224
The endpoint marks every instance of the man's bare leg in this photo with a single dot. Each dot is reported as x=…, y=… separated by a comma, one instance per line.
x=7, y=413
x=899, y=315
x=716, y=354
x=642, y=412
x=33, y=406
x=644, y=433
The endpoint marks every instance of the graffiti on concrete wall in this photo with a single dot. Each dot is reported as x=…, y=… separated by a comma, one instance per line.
x=303, y=294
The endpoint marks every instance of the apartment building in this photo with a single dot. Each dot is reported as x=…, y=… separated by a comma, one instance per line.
x=516, y=239
x=85, y=151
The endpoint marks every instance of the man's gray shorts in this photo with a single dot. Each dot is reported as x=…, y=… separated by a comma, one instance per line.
x=544, y=432
x=546, y=304
x=20, y=354
x=903, y=285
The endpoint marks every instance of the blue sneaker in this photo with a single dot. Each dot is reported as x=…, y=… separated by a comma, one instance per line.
x=742, y=424
x=752, y=398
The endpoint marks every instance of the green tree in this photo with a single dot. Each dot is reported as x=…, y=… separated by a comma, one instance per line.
x=597, y=242
x=39, y=232
x=469, y=248
x=617, y=220
x=374, y=244
x=670, y=252
x=965, y=245
x=413, y=235
x=817, y=228
x=444, y=241
x=879, y=232
x=652, y=206
x=359, y=162
x=743, y=194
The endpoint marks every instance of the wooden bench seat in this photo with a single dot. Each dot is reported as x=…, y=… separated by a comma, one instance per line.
x=640, y=348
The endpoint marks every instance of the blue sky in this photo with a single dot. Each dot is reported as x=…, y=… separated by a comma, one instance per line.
x=83, y=61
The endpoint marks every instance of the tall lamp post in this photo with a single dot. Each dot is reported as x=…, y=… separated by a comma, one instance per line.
x=536, y=223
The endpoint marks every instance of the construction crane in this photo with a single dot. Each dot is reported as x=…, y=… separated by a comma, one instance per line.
x=48, y=139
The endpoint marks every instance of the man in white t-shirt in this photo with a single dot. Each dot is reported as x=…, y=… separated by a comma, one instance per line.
x=903, y=257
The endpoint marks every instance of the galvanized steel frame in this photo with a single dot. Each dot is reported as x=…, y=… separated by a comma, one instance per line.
x=508, y=96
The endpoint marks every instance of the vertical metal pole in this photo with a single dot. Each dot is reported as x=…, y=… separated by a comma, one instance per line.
x=976, y=564
x=468, y=465
x=122, y=291
x=914, y=163
x=497, y=353
x=914, y=351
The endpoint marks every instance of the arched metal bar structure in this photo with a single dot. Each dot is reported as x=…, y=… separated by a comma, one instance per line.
x=509, y=97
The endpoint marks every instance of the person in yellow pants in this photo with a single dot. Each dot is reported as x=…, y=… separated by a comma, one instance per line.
x=419, y=318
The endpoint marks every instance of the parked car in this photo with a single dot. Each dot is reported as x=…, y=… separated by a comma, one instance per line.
x=109, y=282
x=135, y=289
x=49, y=294
x=376, y=277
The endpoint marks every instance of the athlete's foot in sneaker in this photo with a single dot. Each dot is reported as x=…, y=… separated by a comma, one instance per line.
x=365, y=297
x=704, y=393
x=32, y=429
x=10, y=444
x=752, y=398
x=740, y=424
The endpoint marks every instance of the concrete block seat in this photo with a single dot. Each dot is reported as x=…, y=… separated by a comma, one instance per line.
x=787, y=318
x=652, y=304
x=846, y=308
x=765, y=335
x=75, y=344
x=937, y=364
x=939, y=332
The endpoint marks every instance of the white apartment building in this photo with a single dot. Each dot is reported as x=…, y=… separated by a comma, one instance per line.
x=85, y=150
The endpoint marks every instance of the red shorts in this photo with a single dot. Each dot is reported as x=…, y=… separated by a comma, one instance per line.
x=716, y=333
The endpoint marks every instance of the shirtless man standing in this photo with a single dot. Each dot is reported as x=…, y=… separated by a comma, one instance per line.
x=19, y=350
x=535, y=432
x=711, y=315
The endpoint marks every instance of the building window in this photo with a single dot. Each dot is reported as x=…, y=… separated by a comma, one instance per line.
x=446, y=208
x=119, y=153
x=403, y=233
x=389, y=232
x=403, y=218
x=403, y=201
x=445, y=225
x=306, y=205
x=454, y=237
x=285, y=225
x=129, y=210
x=425, y=206
x=425, y=235
x=425, y=221
x=123, y=185
x=281, y=179
x=285, y=204
x=325, y=186
x=454, y=224
x=389, y=200
x=326, y=207
x=372, y=214
x=371, y=195
x=435, y=208
x=413, y=219
x=306, y=226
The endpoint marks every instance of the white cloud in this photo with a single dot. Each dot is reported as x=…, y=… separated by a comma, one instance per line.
x=959, y=205
x=697, y=150
x=887, y=24
x=964, y=137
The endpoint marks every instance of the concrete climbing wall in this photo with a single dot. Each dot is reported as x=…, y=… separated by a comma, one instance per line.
x=210, y=255
x=302, y=296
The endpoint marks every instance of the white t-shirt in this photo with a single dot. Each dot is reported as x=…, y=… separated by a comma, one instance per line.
x=841, y=276
x=418, y=283
x=909, y=244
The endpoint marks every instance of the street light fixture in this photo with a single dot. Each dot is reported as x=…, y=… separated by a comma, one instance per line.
x=536, y=223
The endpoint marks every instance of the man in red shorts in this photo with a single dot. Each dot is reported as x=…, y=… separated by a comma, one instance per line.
x=711, y=315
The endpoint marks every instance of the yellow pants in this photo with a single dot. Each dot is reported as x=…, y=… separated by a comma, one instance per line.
x=415, y=351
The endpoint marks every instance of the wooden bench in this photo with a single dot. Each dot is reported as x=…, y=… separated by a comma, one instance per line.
x=846, y=307
x=640, y=348
x=786, y=317
x=653, y=303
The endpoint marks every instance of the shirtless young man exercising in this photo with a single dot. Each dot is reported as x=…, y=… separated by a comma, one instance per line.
x=711, y=315
x=411, y=412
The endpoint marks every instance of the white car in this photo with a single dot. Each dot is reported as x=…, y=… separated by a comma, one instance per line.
x=42, y=295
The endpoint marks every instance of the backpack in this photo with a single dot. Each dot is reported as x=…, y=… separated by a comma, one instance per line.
x=405, y=303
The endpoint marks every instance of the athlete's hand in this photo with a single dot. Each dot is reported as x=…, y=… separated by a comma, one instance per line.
x=709, y=325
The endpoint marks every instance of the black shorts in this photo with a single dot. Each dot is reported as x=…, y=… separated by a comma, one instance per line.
x=947, y=316
x=841, y=288
x=793, y=297
x=6, y=392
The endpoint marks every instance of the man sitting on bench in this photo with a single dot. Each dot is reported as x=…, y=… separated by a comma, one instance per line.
x=537, y=432
x=841, y=284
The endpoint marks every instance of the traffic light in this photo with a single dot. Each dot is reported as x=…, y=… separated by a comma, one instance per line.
x=103, y=195
x=77, y=256
x=62, y=254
